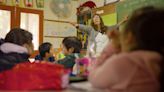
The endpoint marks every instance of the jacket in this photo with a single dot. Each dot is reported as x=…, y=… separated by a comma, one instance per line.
x=12, y=54
x=68, y=61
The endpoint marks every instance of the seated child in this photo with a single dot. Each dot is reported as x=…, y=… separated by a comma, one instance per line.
x=138, y=67
x=46, y=51
x=17, y=73
x=71, y=50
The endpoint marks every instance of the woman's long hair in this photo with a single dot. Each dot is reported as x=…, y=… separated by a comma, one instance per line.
x=102, y=26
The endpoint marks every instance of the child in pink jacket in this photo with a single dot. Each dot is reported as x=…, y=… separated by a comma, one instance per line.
x=138, y=66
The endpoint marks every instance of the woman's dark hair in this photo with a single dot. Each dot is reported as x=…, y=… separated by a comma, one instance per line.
x=19, y=36
x=103, y=27
x=72, y=42
x=147, y=26
x=43, y=48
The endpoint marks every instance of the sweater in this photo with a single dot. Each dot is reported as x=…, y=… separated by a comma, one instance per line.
x=136, y=71
x=12, y=54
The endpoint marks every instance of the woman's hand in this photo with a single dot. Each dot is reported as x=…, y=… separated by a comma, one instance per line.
x=74, y=24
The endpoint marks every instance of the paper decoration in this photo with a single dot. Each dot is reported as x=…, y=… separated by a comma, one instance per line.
x=28, y=3
x=40, y=3
x=16, y=2
x=2, y=1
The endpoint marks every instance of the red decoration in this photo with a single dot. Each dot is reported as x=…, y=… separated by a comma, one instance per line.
x=89, y=4
x=28, y=3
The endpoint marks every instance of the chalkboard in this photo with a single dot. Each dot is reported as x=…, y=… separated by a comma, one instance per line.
x=126, y=7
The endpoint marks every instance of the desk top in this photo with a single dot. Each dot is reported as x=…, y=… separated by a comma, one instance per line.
x=81, y=87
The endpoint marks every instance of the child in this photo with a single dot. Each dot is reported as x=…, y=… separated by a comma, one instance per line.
x=15, y=48
x=46, y=51
x=138, y=67
x=71, y=49
x=17, y=73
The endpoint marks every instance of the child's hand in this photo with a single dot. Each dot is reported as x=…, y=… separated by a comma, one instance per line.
x=114, y=38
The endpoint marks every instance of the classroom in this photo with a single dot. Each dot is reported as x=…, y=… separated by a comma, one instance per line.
x=82, y=45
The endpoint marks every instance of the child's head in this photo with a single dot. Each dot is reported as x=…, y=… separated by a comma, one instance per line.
x=20, y=37
x=46, y=50
x=71, y=45
x=144, y=30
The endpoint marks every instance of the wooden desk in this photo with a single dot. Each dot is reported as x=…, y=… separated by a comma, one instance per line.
x=73, y=87
x=81, y=87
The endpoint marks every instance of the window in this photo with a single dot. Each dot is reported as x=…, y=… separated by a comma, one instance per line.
x=5, y=22
x=30, y=22
x=29, y=19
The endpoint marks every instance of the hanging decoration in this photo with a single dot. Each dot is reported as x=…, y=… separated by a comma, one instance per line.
x=16, y=2
x=28, y=3
x=2, y=1
x=40, y=3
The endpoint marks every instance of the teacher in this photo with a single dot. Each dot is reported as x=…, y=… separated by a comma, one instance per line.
x=97, y=38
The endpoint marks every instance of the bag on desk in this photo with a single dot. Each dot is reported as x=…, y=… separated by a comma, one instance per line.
x=34, y=76
x=81, y=67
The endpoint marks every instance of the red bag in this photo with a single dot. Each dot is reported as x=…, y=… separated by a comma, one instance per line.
x=34, y=76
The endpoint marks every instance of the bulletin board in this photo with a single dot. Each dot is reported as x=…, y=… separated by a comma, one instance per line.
x=110, y=19
x=126, y=7
x=59, y=29
x=56, y=42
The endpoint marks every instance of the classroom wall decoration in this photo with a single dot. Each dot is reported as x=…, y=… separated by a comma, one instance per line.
x=55, y=11
x=16, y=2
x=2, y=1
x=28, y=3
x=57, y=29
x=60, y=10
x=56, y=42
x=35, y=4
x=40, y=3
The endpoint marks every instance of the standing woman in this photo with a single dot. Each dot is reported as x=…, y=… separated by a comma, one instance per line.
x=96, y=33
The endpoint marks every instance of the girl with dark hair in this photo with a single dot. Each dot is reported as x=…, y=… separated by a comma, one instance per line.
x=139, y=65
x=96, y=33
x=17, y=48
